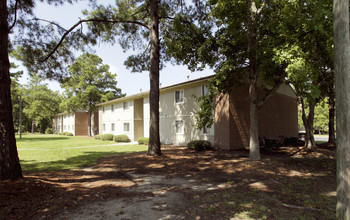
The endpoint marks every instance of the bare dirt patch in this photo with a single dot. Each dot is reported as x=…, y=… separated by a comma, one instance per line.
x=287, y=183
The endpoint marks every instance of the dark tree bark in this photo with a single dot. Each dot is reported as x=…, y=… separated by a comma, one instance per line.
x=308, y=122
x=154, y=139
x=33, y=126
x=342, y=85
x=9, y=162
x=331, y=130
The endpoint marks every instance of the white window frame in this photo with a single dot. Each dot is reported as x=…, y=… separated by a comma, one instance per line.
x=125, y=106
x=181, y=91
x=112, y=127
x=182, y=128
x=126, y=125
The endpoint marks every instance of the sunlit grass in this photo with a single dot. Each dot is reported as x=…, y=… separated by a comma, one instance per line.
x=56, y=152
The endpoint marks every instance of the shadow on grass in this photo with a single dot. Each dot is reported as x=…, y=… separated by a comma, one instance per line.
x=41, y=138
x=76, y=162
x=280, y=186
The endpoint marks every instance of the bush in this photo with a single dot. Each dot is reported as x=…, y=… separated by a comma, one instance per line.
x=97, y=137
x=49, y=131
x=143, y=140
x=199, y=145
x=67, y=133
x=121, y=138
x=107, y=137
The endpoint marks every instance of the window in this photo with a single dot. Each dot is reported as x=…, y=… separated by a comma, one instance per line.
x=126, y=126
x=65, y=127
x=73, y=127
x=104, y=127
x=125, y=105
x=179, y=96
x=112, y=126
x=112, y=108
x=68, y=127
x=179, y=126
x=204, y=90
x=103, y=109
x=206, y=130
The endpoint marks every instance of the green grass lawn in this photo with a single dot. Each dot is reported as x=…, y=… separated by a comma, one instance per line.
x=57, y=152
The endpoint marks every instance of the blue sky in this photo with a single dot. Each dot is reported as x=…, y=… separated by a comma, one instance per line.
x=113, y=55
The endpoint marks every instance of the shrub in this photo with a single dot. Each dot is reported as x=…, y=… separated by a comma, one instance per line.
x=107, y=137
x=199, y=145
x=67, y=133
x=97, y=137
x=143, y=140
x=121, y=138
x=48, y=131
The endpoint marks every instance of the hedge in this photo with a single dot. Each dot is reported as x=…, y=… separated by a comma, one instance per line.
x=121, y=138
x=48, y=131
x=199, y=145
x=143, y=140
x=107, y=137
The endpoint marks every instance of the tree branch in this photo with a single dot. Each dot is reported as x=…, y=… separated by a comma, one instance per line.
x=90, y=20
x=15, y=20
x=50, y=22
x=170, y=18
x=274, y=89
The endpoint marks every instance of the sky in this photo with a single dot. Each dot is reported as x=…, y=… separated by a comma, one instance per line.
x=113, y=55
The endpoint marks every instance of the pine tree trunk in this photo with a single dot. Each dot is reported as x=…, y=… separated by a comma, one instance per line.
x=154, y=139
x=331, y=130
x=254, y=148
x=89, y=124
x=9, y=162
x=342, y=85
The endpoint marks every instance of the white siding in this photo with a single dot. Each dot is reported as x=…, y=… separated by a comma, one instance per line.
x=170, y=112
x=68, y=123
x=146, y=116
x=119, y=116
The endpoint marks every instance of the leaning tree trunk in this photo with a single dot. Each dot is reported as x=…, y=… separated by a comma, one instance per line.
x=9, y=162
x=342, y=85
x=331, y=130
x=154, y=139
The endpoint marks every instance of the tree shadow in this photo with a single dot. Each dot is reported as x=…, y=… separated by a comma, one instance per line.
x=29, y=139
x=266, y=189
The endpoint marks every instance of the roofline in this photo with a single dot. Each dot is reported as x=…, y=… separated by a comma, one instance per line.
x=144, y=94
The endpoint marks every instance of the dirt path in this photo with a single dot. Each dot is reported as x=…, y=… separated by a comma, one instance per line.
x=161, y=198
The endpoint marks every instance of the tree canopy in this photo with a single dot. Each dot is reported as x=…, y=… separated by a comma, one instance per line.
x=88, y=84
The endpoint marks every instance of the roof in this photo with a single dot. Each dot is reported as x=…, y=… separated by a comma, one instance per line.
x=144, y=94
